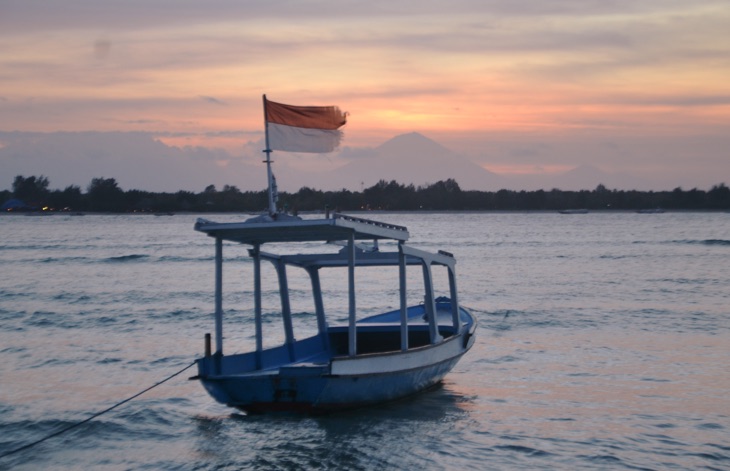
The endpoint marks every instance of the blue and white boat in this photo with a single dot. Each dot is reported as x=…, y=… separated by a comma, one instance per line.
x=366, y=361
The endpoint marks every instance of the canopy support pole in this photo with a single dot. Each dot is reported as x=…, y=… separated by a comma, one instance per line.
x=430, y=305
x=285, y=307
x=351, y=292
x=256, y=255
x=218, y=303
x=319, y=305
x=456, y=317
x=403, y=298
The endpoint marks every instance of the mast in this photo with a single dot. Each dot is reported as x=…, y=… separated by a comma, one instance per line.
x=270, y=175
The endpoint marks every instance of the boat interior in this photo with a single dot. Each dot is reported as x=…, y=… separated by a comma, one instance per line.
x=378, y=334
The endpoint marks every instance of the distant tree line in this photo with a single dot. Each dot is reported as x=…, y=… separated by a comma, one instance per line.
x=105, y=195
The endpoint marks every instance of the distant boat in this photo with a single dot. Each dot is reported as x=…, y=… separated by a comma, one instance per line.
x=573, y=211
x=12, y=205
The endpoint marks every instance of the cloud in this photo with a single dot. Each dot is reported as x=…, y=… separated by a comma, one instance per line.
x=676, y=100
x=136, y=160
x=143, y=121
x=139, y=13
x=102, y=48
x=213, y=100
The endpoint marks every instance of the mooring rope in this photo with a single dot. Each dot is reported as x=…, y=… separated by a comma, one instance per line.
x=72, y=426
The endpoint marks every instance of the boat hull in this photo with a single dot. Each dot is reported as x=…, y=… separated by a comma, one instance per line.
x=343, y=382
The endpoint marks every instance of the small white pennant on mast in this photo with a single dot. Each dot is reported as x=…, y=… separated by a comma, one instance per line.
x=310, y=129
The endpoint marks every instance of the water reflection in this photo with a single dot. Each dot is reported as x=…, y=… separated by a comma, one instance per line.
x=392, y=434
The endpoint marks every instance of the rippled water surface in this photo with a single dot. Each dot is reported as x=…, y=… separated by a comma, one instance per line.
x=603, y=343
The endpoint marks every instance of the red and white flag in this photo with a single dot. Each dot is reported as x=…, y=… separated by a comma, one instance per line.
x=313, y=129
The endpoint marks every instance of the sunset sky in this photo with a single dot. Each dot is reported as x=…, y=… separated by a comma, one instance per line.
x=518, y=87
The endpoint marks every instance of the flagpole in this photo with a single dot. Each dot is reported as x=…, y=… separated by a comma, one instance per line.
x=272, y=205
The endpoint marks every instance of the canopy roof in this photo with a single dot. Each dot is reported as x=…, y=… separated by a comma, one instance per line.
x=267, y=230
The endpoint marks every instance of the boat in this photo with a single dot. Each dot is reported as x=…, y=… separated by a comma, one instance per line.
x=366, y=361
x=361, y=361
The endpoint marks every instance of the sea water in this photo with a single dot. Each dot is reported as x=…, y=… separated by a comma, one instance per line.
x=603, y=343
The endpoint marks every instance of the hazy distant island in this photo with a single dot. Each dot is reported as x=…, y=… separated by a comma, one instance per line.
x=32, y=194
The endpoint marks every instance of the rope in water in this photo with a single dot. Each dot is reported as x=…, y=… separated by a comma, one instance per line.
x=72, y=426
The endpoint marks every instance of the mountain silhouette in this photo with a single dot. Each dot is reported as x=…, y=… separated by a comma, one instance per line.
x=414, y=159
x=140, y=160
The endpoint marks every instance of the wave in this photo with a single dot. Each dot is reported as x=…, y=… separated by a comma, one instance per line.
x=51, y=261
x=21, y=246
x=13, y=294
x=721, y=242
x=499, y=322
x=533, y=452
x=63, y=259
x=716, y=242
x=174, y=259
x=34, y=429
x=71, y=298
x=126, y=258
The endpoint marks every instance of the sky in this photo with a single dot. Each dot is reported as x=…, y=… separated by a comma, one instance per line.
x=167, y=94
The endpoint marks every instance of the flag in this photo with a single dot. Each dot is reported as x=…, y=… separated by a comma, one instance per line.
x=303, y=128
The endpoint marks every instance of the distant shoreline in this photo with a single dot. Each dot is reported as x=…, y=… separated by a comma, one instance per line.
x=360, y=212
x=104, y=196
